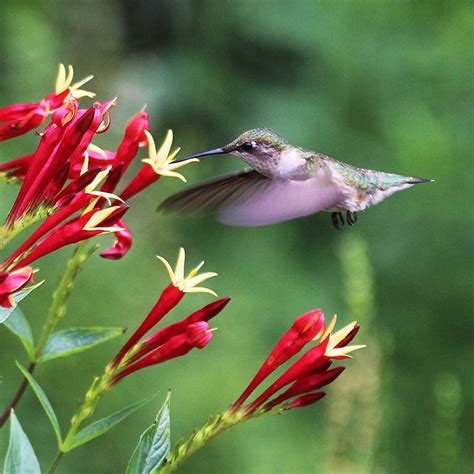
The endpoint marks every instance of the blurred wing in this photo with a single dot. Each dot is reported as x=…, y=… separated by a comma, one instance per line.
x=247, y=198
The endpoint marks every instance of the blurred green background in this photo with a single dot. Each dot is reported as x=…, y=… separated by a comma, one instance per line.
x=384, y=85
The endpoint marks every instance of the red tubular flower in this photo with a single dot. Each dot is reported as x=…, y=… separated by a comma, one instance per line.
x=58, y=145
x=303, y=330
x=12, y=282
x=308, y=373
x=89, y=224
x=18, y=119
x=169, y=298
x=197, y=335
x=71, y=199
x=121, y=245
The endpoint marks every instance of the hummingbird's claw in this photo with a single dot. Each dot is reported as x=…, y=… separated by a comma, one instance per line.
x=337, y=220
x=351, y=217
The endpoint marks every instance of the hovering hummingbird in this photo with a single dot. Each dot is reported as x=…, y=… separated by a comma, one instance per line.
x=283, y=183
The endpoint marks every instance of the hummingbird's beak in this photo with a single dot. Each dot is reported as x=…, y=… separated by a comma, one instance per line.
x=216, y=151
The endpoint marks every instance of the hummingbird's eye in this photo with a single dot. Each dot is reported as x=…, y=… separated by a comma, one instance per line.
x=246, y=146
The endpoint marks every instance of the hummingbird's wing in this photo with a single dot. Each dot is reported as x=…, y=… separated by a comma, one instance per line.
x=247, y=198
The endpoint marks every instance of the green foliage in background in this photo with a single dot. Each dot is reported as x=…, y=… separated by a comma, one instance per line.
x=383, y=85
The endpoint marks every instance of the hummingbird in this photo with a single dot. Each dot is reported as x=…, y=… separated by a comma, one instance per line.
x=284, y=182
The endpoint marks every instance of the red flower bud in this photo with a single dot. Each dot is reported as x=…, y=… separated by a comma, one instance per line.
x=305, y=400
x=307, y=384
x=203, y=314
x=196, y=335
x=11, y=282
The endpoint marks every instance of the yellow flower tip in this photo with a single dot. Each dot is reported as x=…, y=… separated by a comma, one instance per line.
x=187, y=284
x=98, y=150
x=98, y=217
x=101, y=175
x=326, y=332
x=64, y=81
x=85, y=163
x=337, y=337
x=211, y=330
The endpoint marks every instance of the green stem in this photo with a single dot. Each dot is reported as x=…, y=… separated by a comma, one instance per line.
x=55, y=462
x=215, y=425
x=56, y=312
x=62, y=294
x=97, y=389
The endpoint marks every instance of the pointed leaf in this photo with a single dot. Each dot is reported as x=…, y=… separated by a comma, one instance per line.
x=103, y=425
x=18, y=325
x=43, y=399
x=74, y=340
x=20, y=458
x=154, y=444
x=18, y=296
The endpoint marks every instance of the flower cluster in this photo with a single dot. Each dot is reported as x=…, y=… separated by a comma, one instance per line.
x=300, y=384
x=176, y=339
x=71, y=182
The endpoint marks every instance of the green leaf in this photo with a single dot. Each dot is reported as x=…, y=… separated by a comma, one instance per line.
x=103, y=425
x=20, y=458
x=18, y=325
x=74, y=340
x=154, y=444
x=18, y=296
x=43, y=399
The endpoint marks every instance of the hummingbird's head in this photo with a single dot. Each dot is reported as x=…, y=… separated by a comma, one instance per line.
x=254, y=146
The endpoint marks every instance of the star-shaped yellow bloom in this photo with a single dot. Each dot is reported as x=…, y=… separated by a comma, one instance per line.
x=187, y=284
x=161, y=159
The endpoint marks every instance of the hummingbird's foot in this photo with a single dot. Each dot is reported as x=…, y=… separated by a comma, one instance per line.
x=351, y=217
x=337, y=220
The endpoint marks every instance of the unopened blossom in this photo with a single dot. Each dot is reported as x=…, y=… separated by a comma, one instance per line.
x=197, y=335
x=159, y=163
x=170, y=297
x=11, y=283
x=162, y=335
